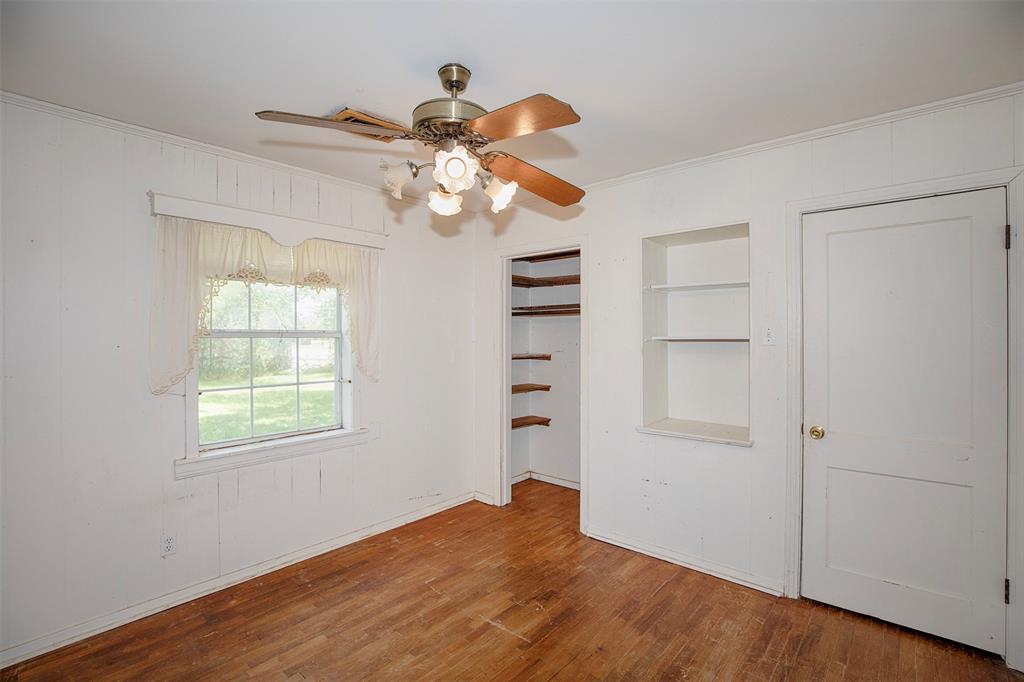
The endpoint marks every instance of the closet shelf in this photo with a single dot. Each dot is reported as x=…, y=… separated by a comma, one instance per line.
x=528, y=388
x=546, y=310
x=700, y=286
x=701, y=339
x=553, y=281
x=531, y=356
x=531, y=420
x=728, y=434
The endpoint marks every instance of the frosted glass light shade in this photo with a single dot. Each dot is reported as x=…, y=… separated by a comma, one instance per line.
x=455, y=170
x=395, y=177
x=443, y=203
x=500, y=193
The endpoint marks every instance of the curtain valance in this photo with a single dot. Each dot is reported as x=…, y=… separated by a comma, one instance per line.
x=193, y=258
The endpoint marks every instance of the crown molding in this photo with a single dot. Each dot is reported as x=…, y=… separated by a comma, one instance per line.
x=159, y=136
x=1000, y=92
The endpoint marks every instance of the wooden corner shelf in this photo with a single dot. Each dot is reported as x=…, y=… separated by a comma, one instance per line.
x=531, y=420
x=529, y=388
x=546, y=310
x=531, y=356
x=553, y=281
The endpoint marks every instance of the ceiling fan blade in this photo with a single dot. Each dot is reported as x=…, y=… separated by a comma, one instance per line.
x=533, y=179
x=530, y=115
x=385, y=134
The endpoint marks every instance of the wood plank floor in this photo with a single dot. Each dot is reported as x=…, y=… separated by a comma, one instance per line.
x=483, y=593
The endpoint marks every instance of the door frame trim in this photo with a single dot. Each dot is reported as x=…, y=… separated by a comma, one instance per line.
x=503, y=268
x=1013, y=180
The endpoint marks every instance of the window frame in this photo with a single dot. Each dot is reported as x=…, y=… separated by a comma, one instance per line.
x=343, y=388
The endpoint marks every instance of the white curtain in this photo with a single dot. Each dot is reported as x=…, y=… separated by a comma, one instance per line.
x=193, y=259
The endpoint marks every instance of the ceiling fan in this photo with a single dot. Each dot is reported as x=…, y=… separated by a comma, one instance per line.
x=458, y=130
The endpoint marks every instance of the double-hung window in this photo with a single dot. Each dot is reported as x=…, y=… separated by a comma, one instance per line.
x=273, y=365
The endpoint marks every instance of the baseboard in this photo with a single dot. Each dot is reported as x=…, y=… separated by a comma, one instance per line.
x=74, y=633
x=486, y=498
x=696, y=563
x=555, y=480
x=521, y=477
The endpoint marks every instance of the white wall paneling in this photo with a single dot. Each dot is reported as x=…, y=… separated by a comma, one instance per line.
x=75, y=183
x=89, y=487
x=726, y=510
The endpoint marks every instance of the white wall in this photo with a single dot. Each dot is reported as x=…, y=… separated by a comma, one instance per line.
x=716, y=507
x=88, y=487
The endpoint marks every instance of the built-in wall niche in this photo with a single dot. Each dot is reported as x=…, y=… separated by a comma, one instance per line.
x=696, y=334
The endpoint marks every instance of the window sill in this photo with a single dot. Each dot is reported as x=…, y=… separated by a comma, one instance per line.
x=268, y=451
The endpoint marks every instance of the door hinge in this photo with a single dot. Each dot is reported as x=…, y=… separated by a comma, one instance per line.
x=1007, y=237
x=801, y=428
x=1006, y=591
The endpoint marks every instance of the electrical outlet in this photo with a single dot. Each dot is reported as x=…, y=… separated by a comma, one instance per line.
x=168, y=545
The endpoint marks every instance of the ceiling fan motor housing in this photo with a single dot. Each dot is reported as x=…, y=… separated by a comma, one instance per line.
x=444, y=116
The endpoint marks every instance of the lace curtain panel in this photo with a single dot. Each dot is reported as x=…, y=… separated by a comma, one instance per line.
x=193, y=258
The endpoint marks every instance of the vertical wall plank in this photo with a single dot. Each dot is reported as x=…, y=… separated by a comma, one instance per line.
x=263, y=197
x=200, y=175
x=1018, y=130
x=282, y=192
x=988, y=135
x=172, y=169
x=860, y=159
x=248, y=185
x=33, y=526
x=304, y=197
x=929, y=146
x=140, y=417
x=335, y=204
x=227, y=180
x=93, y=436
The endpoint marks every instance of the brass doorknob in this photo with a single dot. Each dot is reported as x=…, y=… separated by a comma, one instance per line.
x=817, y=433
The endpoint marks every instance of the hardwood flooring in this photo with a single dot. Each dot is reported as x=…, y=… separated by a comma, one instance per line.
x=480, y=593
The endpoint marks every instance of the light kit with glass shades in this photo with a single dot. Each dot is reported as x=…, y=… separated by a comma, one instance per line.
x=458, y=130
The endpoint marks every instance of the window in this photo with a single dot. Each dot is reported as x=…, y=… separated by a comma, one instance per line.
x=272, y=365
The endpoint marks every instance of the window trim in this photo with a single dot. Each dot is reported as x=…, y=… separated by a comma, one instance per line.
x=227, y=455
x=287, y=447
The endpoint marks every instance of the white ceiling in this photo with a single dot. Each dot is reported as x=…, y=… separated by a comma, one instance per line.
x=654, y=83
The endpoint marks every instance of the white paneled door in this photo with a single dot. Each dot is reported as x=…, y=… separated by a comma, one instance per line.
x=905, y=413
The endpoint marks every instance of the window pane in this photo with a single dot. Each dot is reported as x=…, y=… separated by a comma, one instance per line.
x=223, y=415
x=317, y=406
x=318, y=311
x=273, y=410
x=273, y=306
x=223, y=363
x=273, y=361
x=316, y=359
x=230, y=307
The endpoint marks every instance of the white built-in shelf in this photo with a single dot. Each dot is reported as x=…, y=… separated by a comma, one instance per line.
x=695, y=293
x=728, y=434
x=700, y=286
x=701, y=339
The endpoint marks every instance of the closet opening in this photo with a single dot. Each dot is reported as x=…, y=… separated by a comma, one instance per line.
x=542, y=387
